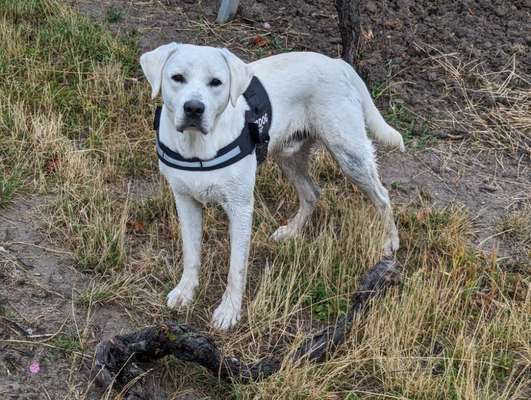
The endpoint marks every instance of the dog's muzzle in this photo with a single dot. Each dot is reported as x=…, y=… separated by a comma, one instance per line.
x=193, y=115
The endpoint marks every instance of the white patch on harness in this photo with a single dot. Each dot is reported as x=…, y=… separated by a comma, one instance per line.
x=262, y=122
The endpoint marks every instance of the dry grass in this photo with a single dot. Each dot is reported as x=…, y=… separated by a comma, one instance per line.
x=74, y=124
x=516, y=225
x=494, y=107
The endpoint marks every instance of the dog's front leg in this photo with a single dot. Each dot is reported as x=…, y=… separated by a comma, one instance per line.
x=240, y=224
x=190, y=219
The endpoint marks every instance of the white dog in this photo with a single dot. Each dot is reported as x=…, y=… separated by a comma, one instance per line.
x=313, y=98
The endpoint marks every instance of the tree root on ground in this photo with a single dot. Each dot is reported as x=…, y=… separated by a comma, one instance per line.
x=118, y=360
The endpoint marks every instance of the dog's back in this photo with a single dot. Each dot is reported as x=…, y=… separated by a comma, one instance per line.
x=311, y=84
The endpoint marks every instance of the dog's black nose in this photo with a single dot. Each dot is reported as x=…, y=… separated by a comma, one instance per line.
x=194, y=108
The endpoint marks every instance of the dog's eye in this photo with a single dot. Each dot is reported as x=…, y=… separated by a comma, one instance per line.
x=178, y=78
x=214, y=82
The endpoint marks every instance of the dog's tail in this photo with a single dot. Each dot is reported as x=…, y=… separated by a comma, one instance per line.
x=380, y=129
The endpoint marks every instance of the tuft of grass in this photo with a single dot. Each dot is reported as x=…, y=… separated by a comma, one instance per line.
x=416, y=131
x=113, y=15
x=492, y=107
x=324, y=304
x=66, y=342
x=515, y=226
x=8, y=186
x=93, y=222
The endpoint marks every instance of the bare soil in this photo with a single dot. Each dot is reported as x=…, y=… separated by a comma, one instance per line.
x=399, y=48
x=38, y=300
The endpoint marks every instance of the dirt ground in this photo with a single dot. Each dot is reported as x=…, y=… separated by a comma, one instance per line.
x=402, y=50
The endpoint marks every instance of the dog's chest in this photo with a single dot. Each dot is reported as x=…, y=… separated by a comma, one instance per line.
x=204, y=192
x=230, y=185
x=199, y=185
x=210, y=194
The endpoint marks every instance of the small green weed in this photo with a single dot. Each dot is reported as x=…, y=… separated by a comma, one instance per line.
x=113, y=15
x=273, y=44
x=97, y=295
x=8, y=186
x=66, y=342
x=416, y=132
x=325, y=301
x=395, y=185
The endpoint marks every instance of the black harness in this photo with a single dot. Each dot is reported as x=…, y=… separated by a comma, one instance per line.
x=254, y=136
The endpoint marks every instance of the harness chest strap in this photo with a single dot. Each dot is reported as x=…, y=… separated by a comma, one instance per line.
x=254, y=136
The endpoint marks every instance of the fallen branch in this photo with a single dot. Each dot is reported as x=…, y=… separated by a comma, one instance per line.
x=117, y=360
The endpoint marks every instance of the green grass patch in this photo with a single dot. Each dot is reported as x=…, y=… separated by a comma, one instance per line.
x=66, y=342
x=325, y=301
x=9, y=184
x=272, y=44
x=416, y=132
x=113, y=15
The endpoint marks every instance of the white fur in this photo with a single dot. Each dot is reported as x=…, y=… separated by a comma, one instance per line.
x=310, y=93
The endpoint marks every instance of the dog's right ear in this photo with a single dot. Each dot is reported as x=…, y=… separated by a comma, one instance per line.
x=152, y=64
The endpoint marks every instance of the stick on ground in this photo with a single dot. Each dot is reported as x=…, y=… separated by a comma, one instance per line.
x=118, y=360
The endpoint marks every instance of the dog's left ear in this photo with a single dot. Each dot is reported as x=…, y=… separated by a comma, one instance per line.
x=152, y=64
x=240, y=75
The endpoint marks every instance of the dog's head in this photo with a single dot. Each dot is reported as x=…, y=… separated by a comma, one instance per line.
x=197, y=82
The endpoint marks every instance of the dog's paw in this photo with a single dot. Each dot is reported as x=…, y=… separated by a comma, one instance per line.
x=284, y=232
x=391, y=245
x=180, y=296
x=226, y=315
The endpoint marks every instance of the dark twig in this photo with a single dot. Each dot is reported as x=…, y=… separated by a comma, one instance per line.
x=374, y=282
x=118, y=359
x=14, y=326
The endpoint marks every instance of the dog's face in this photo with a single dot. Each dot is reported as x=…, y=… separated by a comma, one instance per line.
x=197, y=83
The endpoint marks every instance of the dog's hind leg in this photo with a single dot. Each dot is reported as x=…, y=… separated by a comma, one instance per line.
x=348, y=143
x=295, y=167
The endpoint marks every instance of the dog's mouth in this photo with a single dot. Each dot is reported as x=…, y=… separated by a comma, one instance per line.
x=191, y=126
